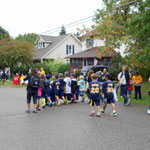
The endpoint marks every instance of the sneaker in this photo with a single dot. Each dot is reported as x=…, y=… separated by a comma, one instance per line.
x=98, y=114
x=102, y=111
x=43, y=106
x=83, y=99
x=58, y=104
x=65, y=102
x=92, y=114
x=114, y=114
x=50, y=105
x=34, y=111
x=28, y=111
x=38, y=108
x=148, y=111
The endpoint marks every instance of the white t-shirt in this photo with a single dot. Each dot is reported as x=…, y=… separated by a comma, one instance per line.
x=68, y=85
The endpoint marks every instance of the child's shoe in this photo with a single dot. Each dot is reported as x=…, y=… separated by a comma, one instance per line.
x=148, y=111
x=43, y=106
x=38, y=108
x=114, y=114
x=98, y=114
x=58, y=104
x=83, y=99
x=28, y=111
x=102, y=111
x=34, y=111
x=92, y=114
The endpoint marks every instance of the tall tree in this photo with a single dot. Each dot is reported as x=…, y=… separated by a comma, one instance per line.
x=3, y=33
x=30, y=38
x=12, y=52
x=63, y=31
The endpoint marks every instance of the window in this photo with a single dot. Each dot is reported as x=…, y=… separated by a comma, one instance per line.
x=89, y=43
x=70, y=50
x=41, y=45
x=107, y=62
x=90, y=61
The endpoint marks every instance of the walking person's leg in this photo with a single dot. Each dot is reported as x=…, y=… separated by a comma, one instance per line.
x=124, y=93
x=139, y=90
x=135, y=88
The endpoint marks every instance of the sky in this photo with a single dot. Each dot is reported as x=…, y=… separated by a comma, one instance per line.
x=37, y=16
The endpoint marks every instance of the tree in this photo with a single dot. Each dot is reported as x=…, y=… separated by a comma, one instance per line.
x=63, y=31
x=3, y=33
x=125, y=22
x=30, y=38
x=12, y=52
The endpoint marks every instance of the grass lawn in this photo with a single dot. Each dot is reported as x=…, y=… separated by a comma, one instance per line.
x=145, y=97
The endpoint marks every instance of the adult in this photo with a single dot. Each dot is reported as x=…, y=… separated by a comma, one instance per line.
x=124, y=86
x=16, y=79
x=104, y=73
x=4, y=77
x=137, y=80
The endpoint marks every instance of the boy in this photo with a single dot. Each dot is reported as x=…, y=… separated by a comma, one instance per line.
x=56, y=87
x=95, y=89
x=67, y=91
x=48, y=90
x=73, y=87
x=81, y=84
x=62, y=85
x=107, y=90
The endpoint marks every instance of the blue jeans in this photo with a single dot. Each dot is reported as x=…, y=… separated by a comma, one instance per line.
x=123, y=93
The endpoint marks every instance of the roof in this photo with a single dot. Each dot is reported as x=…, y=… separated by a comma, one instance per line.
x=91, y=53
x=39, y=53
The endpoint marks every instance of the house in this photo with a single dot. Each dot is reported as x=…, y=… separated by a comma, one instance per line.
x=89, y=54
x=90, y=57
x=56, y=47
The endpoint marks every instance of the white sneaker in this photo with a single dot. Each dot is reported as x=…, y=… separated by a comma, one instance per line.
x=148, y=111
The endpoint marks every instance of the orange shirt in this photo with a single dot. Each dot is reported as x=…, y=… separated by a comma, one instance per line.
x=137, y=79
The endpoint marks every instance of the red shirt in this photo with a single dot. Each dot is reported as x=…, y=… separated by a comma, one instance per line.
x=130, y=85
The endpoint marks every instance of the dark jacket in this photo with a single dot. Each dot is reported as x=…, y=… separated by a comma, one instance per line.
x=126, y=76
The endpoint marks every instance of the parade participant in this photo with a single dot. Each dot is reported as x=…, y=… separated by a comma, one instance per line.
x=67, y=90
x=95, y=89
x=16, y=79
x=42, y=72
x=32, y=91
x=62, y=86
x=73, y=87
x=107, y=90
x=81, y=84
x=22, y=79
x=104, y=73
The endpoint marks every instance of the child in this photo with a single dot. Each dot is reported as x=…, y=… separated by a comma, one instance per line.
x=48, y=90
x=95, y=89
x=81, y=84
x=148, y=111
x=67, y=91
x=73, y=87
x=43, y=92
x=62, y=85
x=56, y=86
x=22, y=79
x=16, y=79
x=107, y=89
x=130, y=88
x=137, y=80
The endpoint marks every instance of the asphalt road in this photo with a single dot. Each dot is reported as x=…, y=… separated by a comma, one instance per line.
x=69, y=127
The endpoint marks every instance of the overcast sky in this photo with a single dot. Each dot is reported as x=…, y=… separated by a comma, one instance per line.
x=37, y=16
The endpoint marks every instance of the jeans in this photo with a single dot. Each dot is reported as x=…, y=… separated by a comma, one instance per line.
x=124, y=89
x=137, y=90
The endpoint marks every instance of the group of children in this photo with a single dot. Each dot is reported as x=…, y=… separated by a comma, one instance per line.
x=52, y=89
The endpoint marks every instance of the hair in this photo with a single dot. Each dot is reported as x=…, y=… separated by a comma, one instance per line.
x=81, y=77
x=126, y=68
x=94, y=76
x=67, y=74
x=90, y=73
x=34, y=71
x=56, y=76
x=60, y=75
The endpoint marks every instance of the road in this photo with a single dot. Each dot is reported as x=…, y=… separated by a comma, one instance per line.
x=69, y=127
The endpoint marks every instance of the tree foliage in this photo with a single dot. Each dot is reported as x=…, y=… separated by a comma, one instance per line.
x=125, y=22
x=3, y=33
x=30, y=38
x=63, y=31
x=12, y=52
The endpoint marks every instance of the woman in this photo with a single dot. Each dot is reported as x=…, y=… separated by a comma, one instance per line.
x=125, y=86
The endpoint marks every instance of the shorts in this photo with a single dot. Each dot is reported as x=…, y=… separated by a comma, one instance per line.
x=109, y=101
x=129, y=92
x=97, y=102
x=67, y=97
x=61, y=93
x=32, y=93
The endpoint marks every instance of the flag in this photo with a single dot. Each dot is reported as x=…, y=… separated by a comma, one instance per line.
x=95, y=61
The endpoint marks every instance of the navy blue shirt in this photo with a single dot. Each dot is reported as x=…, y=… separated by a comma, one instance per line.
x=95, y=90
x=62, y=83
x=126, y=76
x=99, y=79
x=107, y=89
x=56, y=86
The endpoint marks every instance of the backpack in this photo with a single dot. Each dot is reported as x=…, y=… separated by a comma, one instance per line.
x=123, y=79
x=34, y=82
